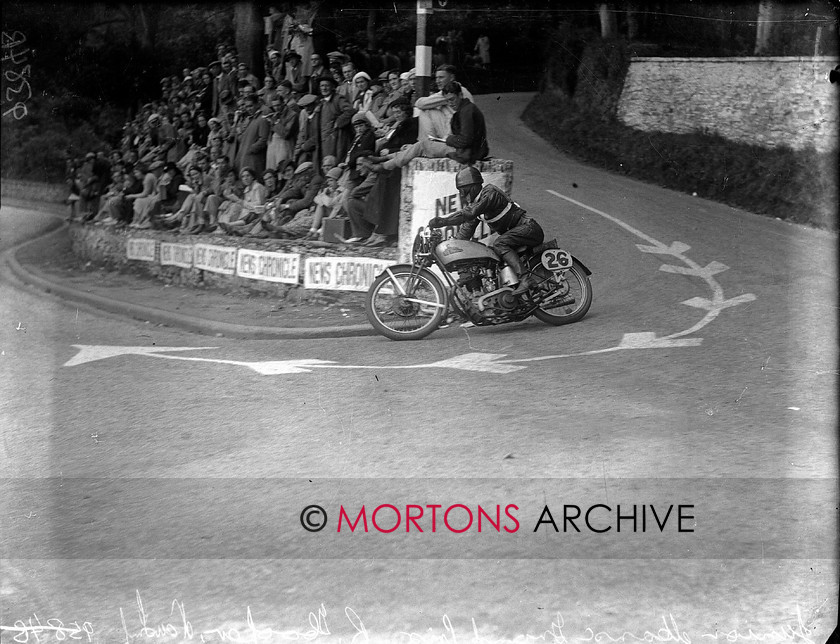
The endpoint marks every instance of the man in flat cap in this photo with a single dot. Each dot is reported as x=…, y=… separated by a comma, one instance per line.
x=333, y=117
x=307, y=137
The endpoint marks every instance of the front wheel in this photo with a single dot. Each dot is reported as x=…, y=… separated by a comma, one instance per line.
x=406, y=304
x=568, y=295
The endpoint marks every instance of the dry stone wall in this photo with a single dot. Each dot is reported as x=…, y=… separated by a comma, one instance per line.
x=764, y=101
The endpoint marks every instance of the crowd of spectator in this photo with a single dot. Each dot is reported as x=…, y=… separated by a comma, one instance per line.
x=224, y=152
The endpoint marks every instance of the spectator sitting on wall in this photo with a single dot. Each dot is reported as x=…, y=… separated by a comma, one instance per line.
x=90, y=189
x=382, y=205
x=169, y=195
x=148, y=198
x=188, y=216
x=227, y=205
x=120, y=206
x=252, y=204
x=364, y=144
x=436, y=113
x=285, y=175
x=328, y=203
x=219, y=169
x=296, y=198
x=297, y=227
x=469, y=132
x=354, y=204
x=115, y=187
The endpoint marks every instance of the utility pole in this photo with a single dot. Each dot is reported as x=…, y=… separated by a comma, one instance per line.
x=422, y=52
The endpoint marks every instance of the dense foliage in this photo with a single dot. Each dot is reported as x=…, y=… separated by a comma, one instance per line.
x=576, y=112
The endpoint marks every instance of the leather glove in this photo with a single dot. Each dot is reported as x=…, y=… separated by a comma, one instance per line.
x=437, y=222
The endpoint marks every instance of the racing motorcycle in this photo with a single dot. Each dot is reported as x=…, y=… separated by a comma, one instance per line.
x=410, y=301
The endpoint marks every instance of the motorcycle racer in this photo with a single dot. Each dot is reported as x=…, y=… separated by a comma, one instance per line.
x=492, y=205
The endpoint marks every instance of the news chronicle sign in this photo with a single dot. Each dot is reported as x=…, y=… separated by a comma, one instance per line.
x=216, y=259
x=326, y=273
x=176, y=255
x=140, y=249
x=267, y=266
x=342, y=273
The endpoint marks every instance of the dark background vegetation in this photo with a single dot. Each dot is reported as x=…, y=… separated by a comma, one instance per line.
x=93, y=64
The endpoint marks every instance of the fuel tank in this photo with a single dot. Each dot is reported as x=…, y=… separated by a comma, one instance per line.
x=460, y=252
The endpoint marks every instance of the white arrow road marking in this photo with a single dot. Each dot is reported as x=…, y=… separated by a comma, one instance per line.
x=483, y=362
x=91, y=353
x=677, y=249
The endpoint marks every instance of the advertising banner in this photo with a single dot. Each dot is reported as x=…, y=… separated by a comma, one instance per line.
x=216, y=259
x=140, y=249
x=176, y=254
x=268, y=266
x=342, y=273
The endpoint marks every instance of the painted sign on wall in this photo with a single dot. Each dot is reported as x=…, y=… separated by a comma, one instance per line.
x=342, y=273
x=268, y=266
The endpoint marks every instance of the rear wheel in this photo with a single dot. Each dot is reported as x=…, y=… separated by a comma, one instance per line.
x=568, y=294
x=403, y=304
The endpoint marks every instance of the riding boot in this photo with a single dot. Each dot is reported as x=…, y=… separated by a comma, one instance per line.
x=525, y=281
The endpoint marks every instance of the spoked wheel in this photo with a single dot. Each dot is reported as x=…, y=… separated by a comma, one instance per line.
x=568, y=294
x=403, y=304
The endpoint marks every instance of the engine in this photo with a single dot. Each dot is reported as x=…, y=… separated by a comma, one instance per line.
x=480, y=297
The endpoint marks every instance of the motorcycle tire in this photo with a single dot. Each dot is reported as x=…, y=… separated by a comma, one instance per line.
x=573, y=304
x=408, y=313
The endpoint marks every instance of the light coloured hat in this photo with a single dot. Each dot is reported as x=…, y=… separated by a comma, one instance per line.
x=303, y=167
x=361, y=75
x=307, y=99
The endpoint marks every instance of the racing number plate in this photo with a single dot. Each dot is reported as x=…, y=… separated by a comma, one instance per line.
x=556, y=260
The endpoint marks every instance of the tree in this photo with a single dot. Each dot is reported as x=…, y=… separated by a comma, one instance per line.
x=371, y=30
x=248, y=28
x=609, y=24
x=764, y=27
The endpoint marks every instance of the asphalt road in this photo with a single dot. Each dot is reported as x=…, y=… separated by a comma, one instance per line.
x=155, y=494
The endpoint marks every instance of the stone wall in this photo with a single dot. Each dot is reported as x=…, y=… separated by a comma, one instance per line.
x=763, y=101
x=108, y=246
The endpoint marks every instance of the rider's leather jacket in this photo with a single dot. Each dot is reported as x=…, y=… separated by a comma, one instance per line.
x=492, y=205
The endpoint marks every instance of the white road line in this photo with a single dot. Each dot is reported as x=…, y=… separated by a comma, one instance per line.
x=677, y=250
